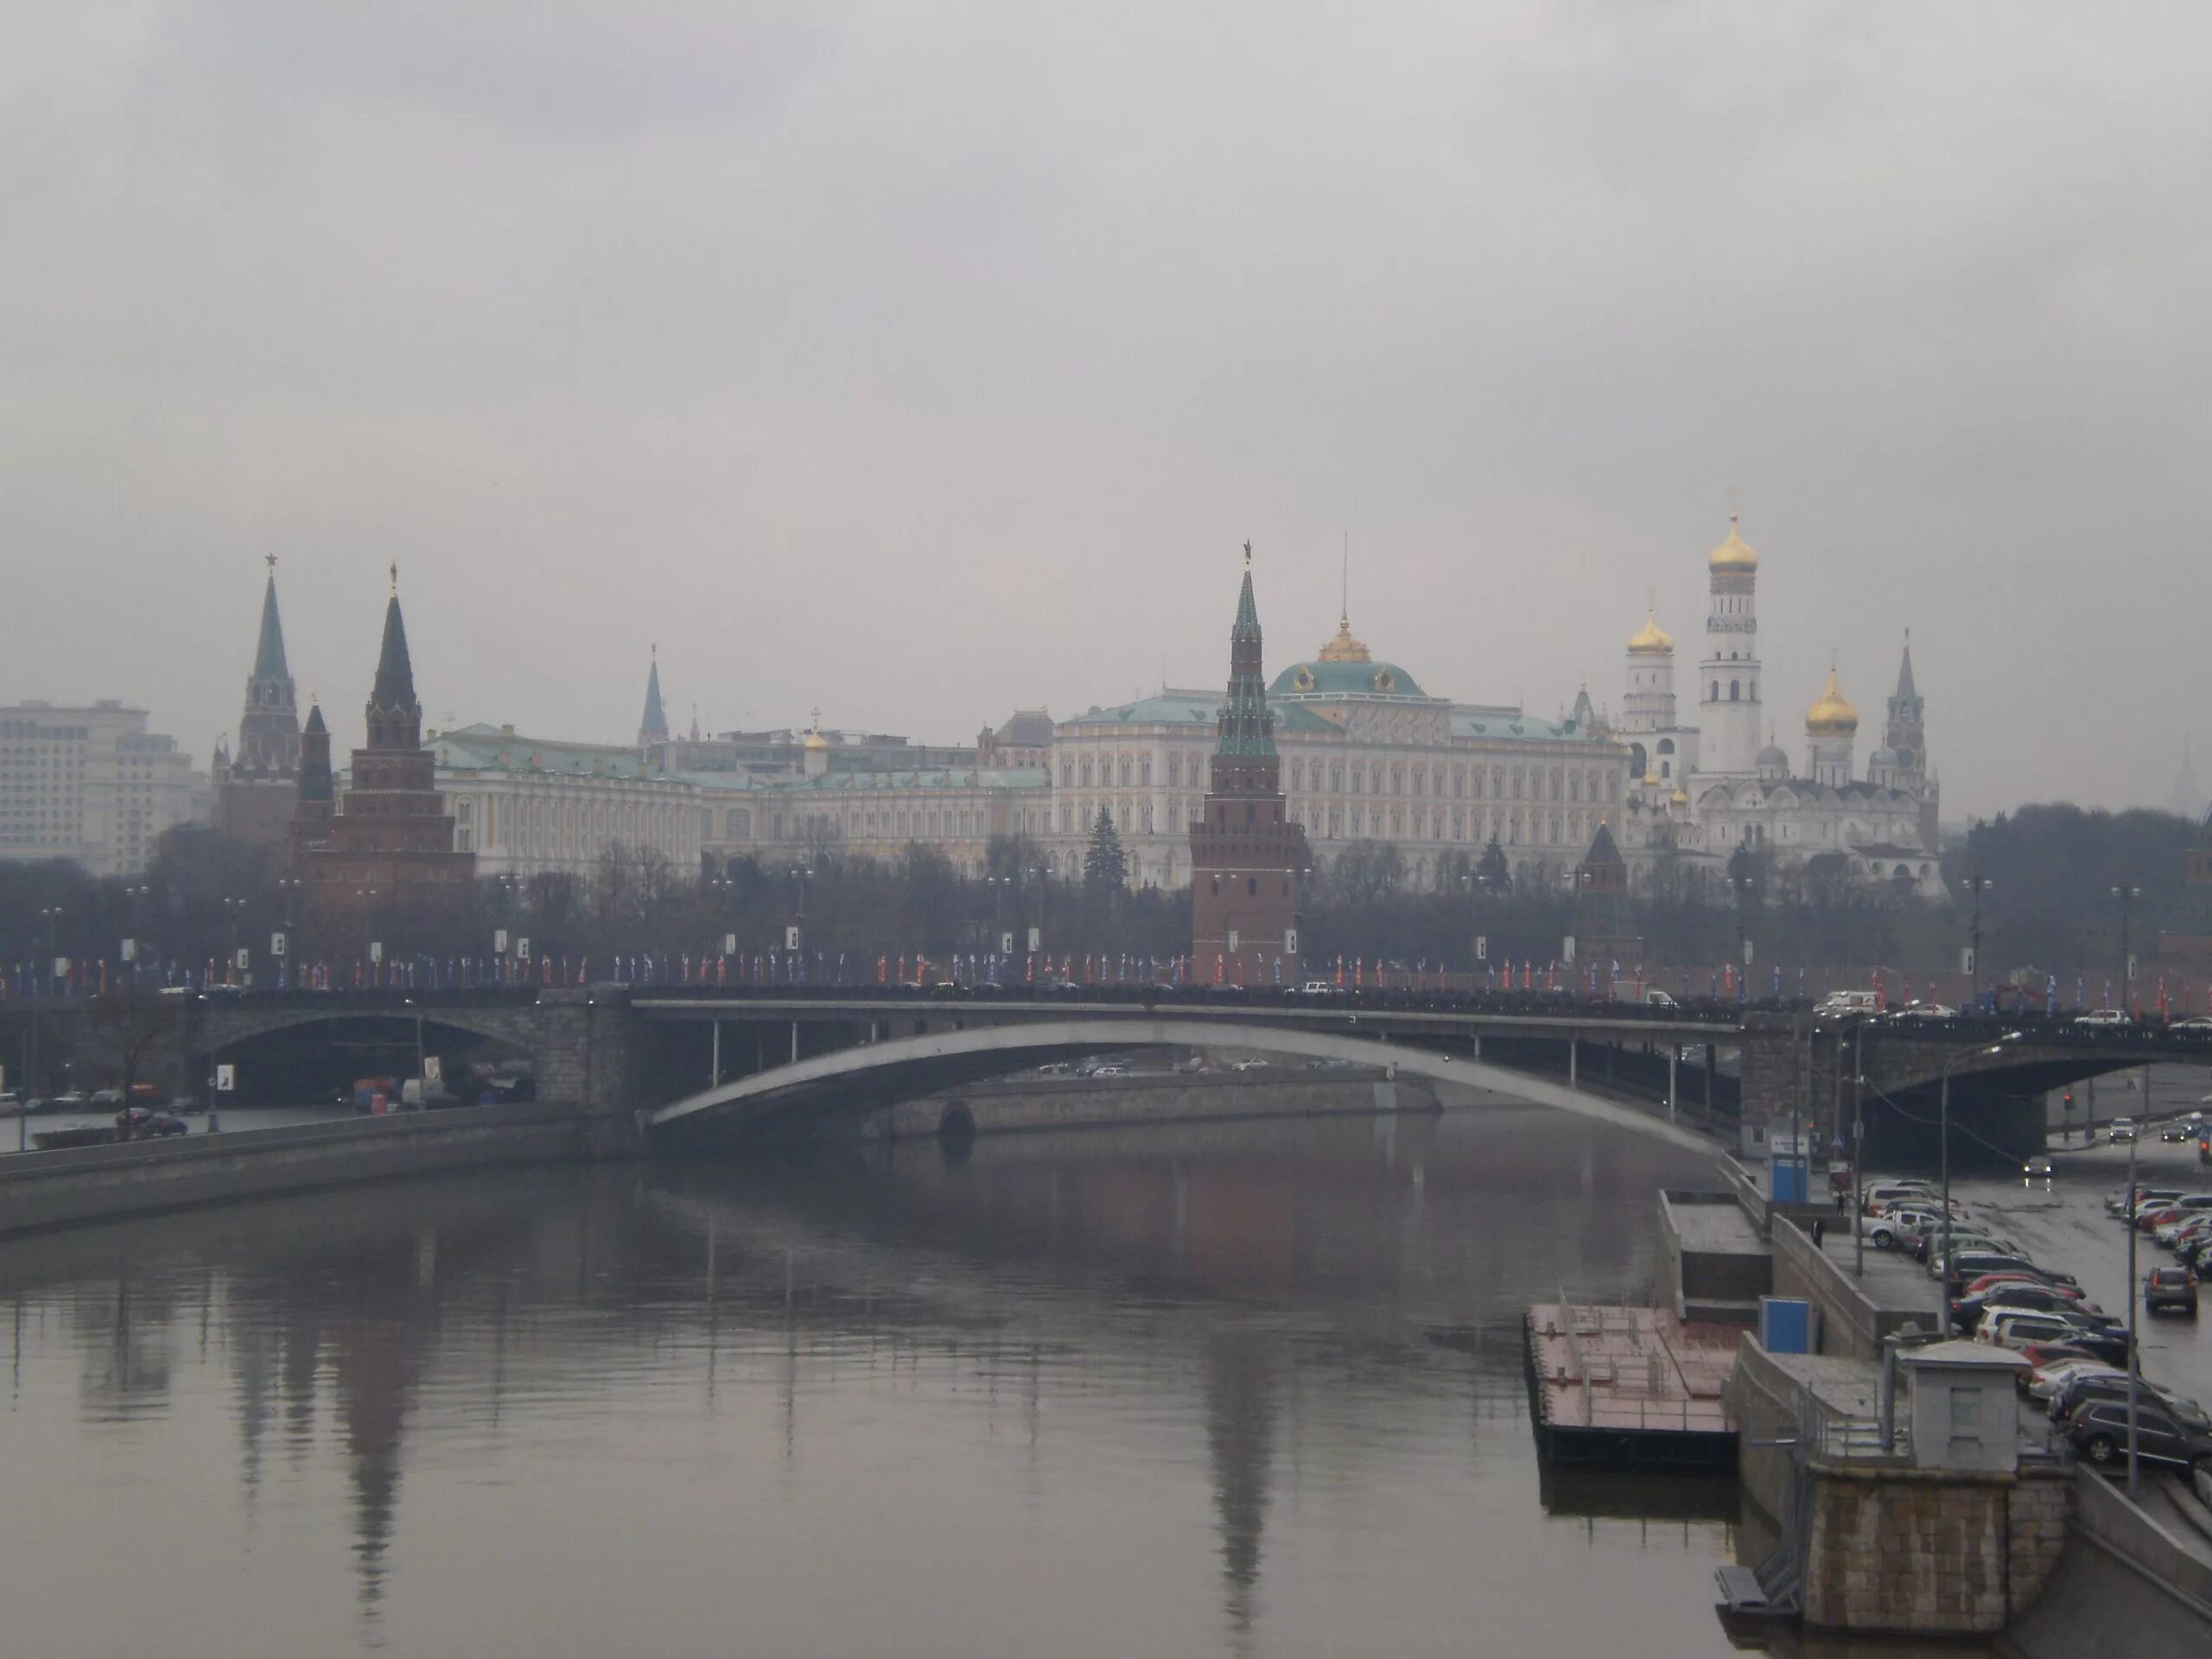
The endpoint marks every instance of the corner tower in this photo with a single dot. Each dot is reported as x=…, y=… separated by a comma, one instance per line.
x=652, y=727
x=1729, y=721
x=386, y=858
x=1246, y=855
x=255, y=786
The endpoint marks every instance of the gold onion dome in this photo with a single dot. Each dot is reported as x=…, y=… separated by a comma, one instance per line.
x=1650, y=639
x=1651, y=780
x=1344, y=648
x=1832, y=714
x=1734, y=554
x=1682, y=798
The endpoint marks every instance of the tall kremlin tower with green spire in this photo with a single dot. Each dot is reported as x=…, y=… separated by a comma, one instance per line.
x=1247, y=856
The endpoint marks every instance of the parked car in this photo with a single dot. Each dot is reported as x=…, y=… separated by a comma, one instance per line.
x=2111, y=1384
x=2099, y=1432
x=2119, y=1205
x=2018, y=1276
x=2196, y=1024
x=2170, y=1289
x=1838, y=1002
x=2009, y=1328
x=143, y=1123
x=2110, y=1346
x=1250, y=1066
x=2031, y=1299
x=1925, y=1011
x=1900, y=1227
x=2047, y=1382
x=1977, y=1263
x=2102, y=1017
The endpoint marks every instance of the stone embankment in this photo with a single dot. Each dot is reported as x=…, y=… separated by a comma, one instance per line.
x=55, y=1189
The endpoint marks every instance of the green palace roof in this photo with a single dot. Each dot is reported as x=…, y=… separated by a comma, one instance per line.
x=1332, y=680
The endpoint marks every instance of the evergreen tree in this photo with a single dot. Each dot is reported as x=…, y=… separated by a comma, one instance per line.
x=1494, y=874
x=1105, y=866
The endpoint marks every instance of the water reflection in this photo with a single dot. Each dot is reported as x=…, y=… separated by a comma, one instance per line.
x=1245, y=1388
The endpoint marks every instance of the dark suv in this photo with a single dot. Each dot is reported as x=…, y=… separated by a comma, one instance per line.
x=2099, y=1430
x=2170, y=1288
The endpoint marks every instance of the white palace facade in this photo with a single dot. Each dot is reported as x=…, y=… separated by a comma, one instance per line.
x=1369, y=756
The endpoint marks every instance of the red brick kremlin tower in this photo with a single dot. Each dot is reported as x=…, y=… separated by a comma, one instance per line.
x=387, y=852
x=1246, y=855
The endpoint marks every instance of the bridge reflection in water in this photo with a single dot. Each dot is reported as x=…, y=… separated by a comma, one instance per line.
x=1231, y=1388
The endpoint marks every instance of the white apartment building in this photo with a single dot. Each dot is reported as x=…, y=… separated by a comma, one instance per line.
x=92, y=783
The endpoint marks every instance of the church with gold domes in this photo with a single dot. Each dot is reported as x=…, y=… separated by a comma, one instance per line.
x=1699, y=791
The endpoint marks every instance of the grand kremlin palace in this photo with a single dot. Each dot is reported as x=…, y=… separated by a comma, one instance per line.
x=1367, y=755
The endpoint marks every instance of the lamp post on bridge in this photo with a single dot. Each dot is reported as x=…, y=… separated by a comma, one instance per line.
x=1976, y=884
x=2125, y=898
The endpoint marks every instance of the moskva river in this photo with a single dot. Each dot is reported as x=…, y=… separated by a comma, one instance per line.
x=1249, y=1390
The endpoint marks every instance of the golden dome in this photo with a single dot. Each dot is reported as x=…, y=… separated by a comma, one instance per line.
x=1650, y=639
x=1344, y=648
x=1651, y=780
x=1733, y=555
x=1832, y=714
x=1682, y=798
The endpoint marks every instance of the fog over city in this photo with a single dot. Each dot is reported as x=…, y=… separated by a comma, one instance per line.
x=919, y=362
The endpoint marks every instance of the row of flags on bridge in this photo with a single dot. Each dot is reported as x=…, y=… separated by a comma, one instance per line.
x=79, y=978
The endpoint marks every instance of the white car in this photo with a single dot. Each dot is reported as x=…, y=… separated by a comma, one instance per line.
x=2102, y=1017
x=1250, y=1066
x=2014, y=1328
x=2196, y=1023
x=1925, y=1011
x=2123, y=1131
x=2049, y=1380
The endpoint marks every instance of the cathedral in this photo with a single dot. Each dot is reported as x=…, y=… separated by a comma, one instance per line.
x=1700, y=791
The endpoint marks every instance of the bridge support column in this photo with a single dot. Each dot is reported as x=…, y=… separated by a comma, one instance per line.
x=714, y=1069
x=589, y=1050
x=1674, y=1061
x=794, y=1042
x=1573, y=1050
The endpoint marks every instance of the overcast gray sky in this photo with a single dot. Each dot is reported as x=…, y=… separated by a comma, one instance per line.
x=925, y=359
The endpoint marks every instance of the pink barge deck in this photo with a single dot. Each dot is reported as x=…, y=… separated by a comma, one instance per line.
x=1630, y=1388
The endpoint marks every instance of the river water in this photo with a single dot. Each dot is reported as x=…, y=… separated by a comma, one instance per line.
x=1248, y=1390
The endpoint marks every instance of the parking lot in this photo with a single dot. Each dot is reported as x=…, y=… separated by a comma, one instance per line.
x=2062, y=1224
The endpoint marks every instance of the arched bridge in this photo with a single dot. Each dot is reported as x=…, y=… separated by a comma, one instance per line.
x=872, y=1074
x=622, y=1050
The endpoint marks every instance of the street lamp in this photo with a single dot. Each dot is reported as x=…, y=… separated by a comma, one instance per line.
x=1978, y=884
x=2125, y=898
x=1943, y=1134
x=232, y=909
x=422, y=1081
x=134, y=893
x=2134, y=1301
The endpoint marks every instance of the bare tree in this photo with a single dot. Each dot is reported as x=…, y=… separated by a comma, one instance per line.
x=128, y=1027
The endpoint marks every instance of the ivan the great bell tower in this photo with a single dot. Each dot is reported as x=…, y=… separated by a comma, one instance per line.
x=1246, y=855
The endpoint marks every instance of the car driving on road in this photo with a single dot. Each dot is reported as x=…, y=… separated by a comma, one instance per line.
x=2170, y=1290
